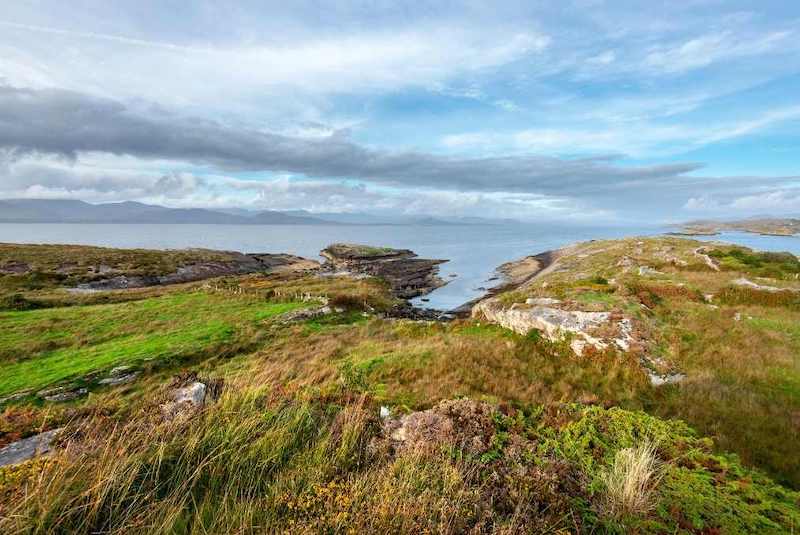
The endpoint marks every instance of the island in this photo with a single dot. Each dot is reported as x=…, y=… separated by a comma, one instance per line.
x=640, y=385
x=763, y=226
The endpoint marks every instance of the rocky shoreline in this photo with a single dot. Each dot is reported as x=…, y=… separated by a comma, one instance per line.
x=407, y=275
x=238, y=264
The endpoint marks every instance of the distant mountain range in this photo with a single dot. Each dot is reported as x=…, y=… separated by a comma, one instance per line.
x=72, y=211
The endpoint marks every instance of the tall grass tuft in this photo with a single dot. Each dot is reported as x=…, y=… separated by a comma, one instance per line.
x=631, y=480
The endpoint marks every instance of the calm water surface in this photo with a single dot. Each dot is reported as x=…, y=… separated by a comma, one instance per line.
x=473, y=251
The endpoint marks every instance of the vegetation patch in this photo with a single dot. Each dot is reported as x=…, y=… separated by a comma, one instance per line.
x=42, y=347
x=762, y=264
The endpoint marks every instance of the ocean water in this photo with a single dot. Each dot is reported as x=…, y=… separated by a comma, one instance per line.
x=473, y=251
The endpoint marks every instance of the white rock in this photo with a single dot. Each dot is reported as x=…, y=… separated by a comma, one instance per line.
x=195, y=394
x=553, y=322
x=542, y=301
x=648, y=271
x=185, y=400
x=750, y=284
x=385, y=412
x=669, y=379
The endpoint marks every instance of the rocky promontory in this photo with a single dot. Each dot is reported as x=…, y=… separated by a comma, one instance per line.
x=407, y=275
x=235, y=264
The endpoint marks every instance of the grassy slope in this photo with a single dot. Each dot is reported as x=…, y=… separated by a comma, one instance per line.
x=42, y=347
x=740, y=350
x=294, y=445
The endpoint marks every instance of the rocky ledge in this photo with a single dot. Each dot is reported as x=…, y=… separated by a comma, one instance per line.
x=560, y=295
x=407, y=275
x=236, y=264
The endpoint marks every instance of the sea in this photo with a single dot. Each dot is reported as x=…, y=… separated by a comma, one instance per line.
x=473, y=251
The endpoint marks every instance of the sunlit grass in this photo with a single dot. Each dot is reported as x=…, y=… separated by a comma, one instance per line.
x=41, y=347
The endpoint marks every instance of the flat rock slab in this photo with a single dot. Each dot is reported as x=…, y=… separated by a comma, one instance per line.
x=237, y=264
x=115, y=380
x=407, y=275
x=27, y=448
x=60, y=394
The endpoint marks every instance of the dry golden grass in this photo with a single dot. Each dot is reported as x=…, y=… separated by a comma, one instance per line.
x=631, y=480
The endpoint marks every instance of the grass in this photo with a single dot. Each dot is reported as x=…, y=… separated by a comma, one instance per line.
x=259, y=460
x=42, y=347
x=631, y=479
x=546, y=441
x=417, y=364
x=743, y=377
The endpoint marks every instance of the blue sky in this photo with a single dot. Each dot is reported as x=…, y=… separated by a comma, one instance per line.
x=579, y=110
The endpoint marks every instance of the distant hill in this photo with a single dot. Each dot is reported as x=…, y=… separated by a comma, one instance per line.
x=360, y=218
x=72, y=211
x=768, y=226
x=68, y=211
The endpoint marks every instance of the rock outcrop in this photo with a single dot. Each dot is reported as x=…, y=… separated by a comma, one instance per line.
x=185, y=400
x=28, y=448
x=62, y=393
x=238, y=264
x=555, y=323
x=464, y=424
x=407, y=275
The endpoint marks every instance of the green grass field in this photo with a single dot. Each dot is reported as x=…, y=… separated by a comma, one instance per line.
x=42, y=347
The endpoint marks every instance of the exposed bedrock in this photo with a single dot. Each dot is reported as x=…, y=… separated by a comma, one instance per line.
x=239, y=264
x=407, y=275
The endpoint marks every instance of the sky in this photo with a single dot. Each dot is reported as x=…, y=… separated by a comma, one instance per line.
x=577, y=110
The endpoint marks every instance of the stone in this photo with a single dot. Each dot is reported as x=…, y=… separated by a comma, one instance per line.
x=542, y=301
x=16, y=396
x=195, y=394
x=647, y=271
x=707, y=260
x=553, y=322
x=304, y=314
x=750, y=284
x=28, y=448
x=668, y=379
x=385, y=412
x=184, y=400
x=464, y=424
x=116, y=380
x=61, y=393
x=407, y=276
x=236, y=264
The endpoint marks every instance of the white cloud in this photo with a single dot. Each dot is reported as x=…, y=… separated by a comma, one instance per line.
x=702, y=204
x=770, y=202
x=604, y=58
x=632, y=138
x=705, y=50
x=191, y=75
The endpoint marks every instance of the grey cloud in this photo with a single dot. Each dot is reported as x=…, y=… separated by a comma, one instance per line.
x=50, y=177
x=68, y=123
